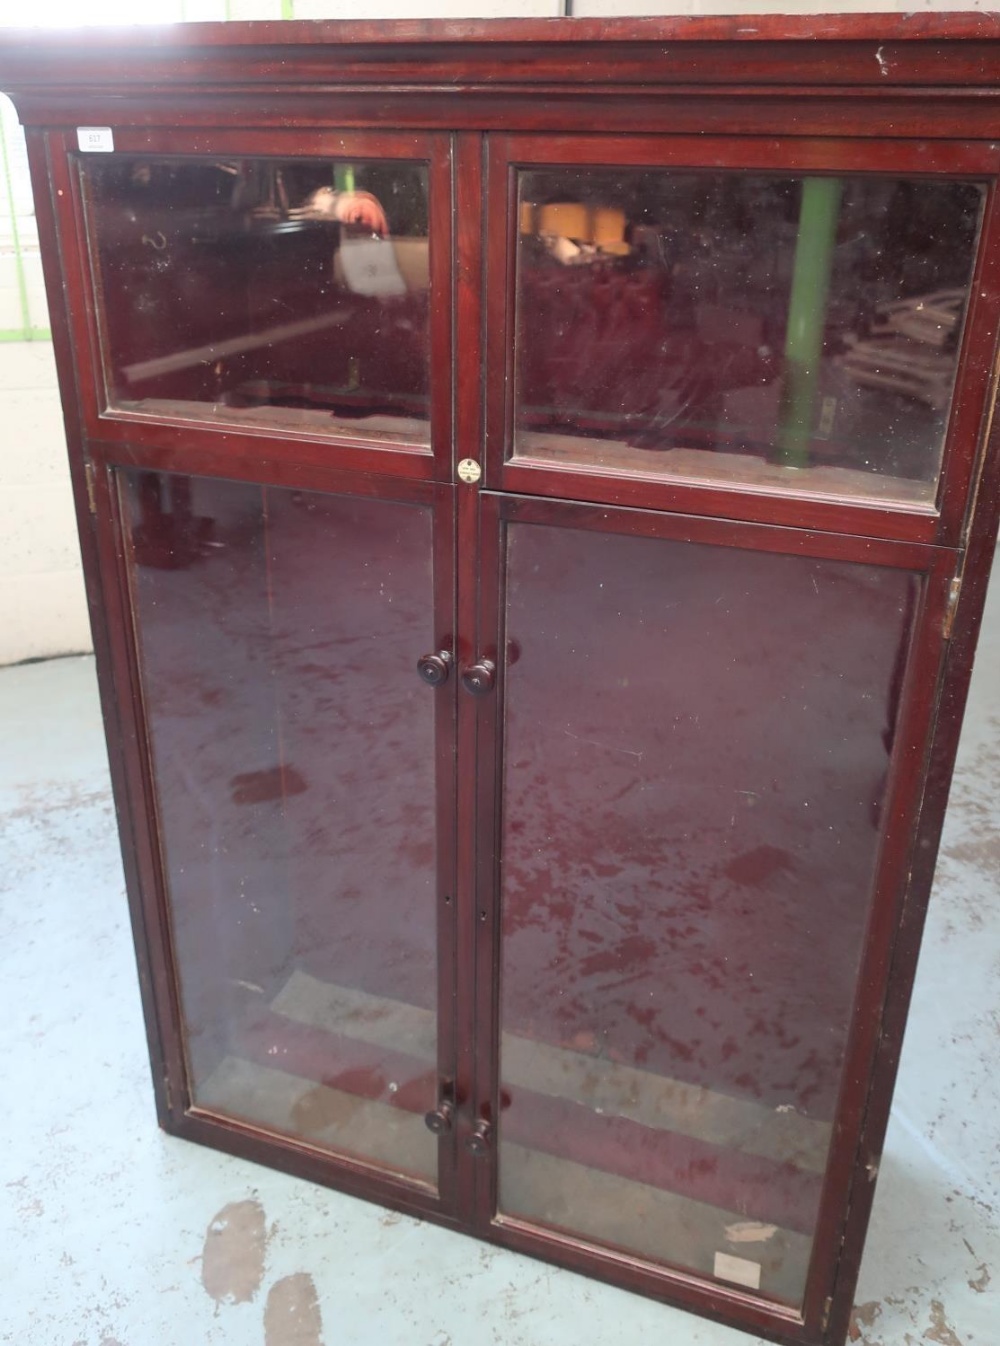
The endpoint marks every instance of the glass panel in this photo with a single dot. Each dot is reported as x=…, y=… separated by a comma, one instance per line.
x=697, y=742
x=293, y=756
x=781, y=333
x=291, y=294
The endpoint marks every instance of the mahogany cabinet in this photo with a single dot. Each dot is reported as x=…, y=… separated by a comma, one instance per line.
x=536, y=490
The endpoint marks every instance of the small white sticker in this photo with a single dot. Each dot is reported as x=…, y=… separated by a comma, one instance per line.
x=95, y=139
x=738, y=1270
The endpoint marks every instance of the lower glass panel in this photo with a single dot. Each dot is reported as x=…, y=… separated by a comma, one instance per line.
x=293, y=760
x=697, y=744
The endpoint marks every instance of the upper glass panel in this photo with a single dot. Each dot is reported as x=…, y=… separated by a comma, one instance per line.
x=783, y=333
x=285, y=293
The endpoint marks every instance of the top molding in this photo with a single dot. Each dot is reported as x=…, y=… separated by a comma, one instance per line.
x=927, y=26
x=943, y=49
x=944, y=67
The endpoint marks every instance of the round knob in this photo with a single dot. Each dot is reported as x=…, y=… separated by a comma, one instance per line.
x=479, y=678
x=478, y=1142
x=441, y=1119
x=434, y=668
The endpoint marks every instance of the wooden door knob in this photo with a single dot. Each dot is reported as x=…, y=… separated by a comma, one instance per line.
x=478, y=1141
x=479, y=678
x=434, y=668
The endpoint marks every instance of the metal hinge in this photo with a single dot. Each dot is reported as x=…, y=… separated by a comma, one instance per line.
x=88, y=472
x=827, y=1310
x=951, y=606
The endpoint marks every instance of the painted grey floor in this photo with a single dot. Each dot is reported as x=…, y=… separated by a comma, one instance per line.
x=110, y=1232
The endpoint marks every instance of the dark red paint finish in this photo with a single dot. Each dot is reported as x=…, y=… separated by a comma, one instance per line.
x=915, y=96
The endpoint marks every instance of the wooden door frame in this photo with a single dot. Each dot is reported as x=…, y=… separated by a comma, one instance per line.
x=179, y=1113
x=856, y=1148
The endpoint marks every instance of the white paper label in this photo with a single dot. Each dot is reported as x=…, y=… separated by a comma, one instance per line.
x=95, y=139
x=370, y=266
x=738, y=1270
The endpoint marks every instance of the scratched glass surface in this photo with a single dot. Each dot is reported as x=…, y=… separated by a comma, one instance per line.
x=289, y=294
x=293, y=763
x=697, y=747
x=791, y=334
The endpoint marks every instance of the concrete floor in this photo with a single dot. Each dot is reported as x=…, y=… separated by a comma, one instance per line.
x=112, y=1234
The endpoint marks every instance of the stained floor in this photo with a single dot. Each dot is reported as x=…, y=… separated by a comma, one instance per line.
x=112, y=1234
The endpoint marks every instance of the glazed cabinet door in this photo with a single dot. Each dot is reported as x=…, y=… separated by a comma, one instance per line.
x=708, y=748
x=733, y=409
x=263, y=322
x=291, y=661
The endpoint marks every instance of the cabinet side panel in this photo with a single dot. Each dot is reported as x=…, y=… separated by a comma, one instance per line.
x=108, y=624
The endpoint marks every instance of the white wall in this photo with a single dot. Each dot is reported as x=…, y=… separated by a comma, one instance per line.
x=42, y=606
x=42, y=610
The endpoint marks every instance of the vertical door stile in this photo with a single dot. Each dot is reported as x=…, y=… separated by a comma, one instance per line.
x=467, y=374
x=445, y=725
x=488, y=796
x=490, y=746
x=443, y=262
x=498, y=288
x=499, y=281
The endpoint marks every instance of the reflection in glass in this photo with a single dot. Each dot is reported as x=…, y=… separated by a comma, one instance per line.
x=293, y=753
x=697, y=742
x=285, y=293
x=778, y=332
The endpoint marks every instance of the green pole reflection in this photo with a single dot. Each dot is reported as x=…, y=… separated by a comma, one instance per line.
x=813, y=264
